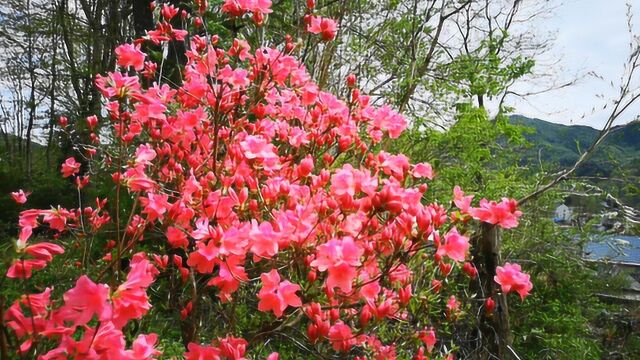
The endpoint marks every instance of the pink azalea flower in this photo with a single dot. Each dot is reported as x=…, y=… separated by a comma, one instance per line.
x=145, y=154
x=348, y=182
x=386, y=119
x=117, y=84
x=169, y=11
x=200, y=352
x=326, y=27
x=240, y=49
x=428, y=337
x=44, y=251
x=455, y=246
x=256, y=147
x=422, y=170
x=453, y=305
x=235, y=7
x=263, y=239
x=23, y=269
x=70, y=167
x=275, y=295
x=130, y=55
x=511, y=278
x=341, y=337
x=203, y=258
x=105, y=341
x=29, y=218
x=130, y=300
x=85, y=300
x=236, y=78
x=230, y=274
x=234, y=241
x=143, y=348
x=25, y=234
x=340, y=258
x=462, y=202
x=177, y=238
x=92, y=122
x=56, y=218
x=263, y=6
x=240, y=7
x=232, y=347
x=395, y=165
x=504, y=214
x=139, y=181
x=20, y=196
x=23, y=326
x=155, y=205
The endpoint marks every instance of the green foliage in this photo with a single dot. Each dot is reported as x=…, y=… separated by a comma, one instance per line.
x=553, y=323
x=48, y=188
x=483, y=71
x=483, y=156
x=473, y=153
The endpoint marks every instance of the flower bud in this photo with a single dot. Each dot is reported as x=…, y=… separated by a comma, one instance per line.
x=312, y=275
x=306, y=166
x=365, y=316
x=489, y=306
x=334, y=315
x=436, y=285
x=470, y=270
x=355, y=95
x=289, y=47
x=445, y=269
x=351, y=81
x=258, y=18
x=327, y=158
x=312, y=333
x=404, y=295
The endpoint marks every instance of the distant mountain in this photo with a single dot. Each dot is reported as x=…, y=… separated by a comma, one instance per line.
x=564, y=143
x=617, y=158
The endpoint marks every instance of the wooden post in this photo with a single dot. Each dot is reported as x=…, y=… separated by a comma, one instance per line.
x=496, y=333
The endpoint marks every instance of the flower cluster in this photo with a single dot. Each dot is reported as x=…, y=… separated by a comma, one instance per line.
x=249, y=179
x=81, y=304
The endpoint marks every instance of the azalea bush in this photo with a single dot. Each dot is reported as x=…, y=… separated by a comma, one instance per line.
x=257, y=211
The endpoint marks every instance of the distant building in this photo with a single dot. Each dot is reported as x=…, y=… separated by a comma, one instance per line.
x=563, y=214
x=617, y=254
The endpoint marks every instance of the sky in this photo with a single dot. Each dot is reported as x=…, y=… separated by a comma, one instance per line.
x=591, y=36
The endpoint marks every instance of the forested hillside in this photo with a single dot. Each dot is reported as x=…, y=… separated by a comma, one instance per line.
x=614, y=166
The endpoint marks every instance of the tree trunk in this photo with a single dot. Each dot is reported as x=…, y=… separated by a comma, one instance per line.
x=32, y=89
x=52, y=94
x=142, y=17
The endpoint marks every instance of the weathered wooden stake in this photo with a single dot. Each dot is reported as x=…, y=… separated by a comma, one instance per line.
x=496, y=333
